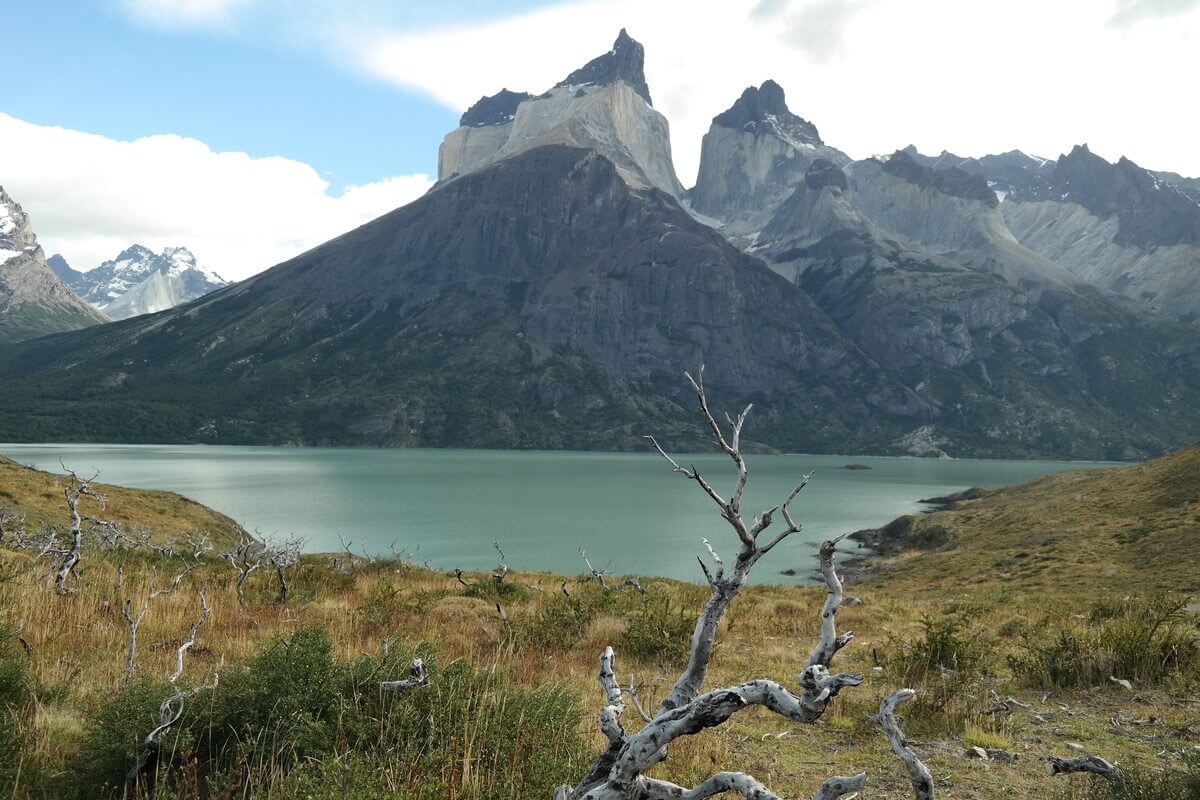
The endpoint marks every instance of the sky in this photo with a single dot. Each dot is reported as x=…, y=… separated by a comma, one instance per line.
x=252, y=130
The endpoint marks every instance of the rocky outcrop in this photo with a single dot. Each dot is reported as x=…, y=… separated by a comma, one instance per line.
x=753, y=156
x=1005, y=173
x=33, y=299
x=603, y=106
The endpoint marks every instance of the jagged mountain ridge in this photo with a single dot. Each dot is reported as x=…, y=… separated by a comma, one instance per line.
x=140, y=281
x=603, y=106
x=546, y=292
x=34, y=301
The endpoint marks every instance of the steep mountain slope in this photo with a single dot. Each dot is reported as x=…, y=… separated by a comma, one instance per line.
x=139, y=281
x=540, y=302
x=33, y=300
x=1116, y=225
x=603, y=106
x=752, y=157
x=1032, y=360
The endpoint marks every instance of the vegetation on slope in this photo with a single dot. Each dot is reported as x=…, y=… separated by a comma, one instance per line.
x=38, y=497
x=509, y=711
x=1118, y=530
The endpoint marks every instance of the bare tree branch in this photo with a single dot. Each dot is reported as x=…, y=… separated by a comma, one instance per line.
x=918, y=773
x=190, y=640
x=418, y=675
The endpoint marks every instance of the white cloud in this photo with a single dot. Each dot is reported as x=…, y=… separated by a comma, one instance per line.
x=874, y=76
x=89, y=197
x=183, y=13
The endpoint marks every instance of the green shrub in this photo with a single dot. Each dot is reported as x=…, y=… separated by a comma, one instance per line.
x=659, y=632
x=497, y=592
x=1140, y=783
x=1144, y=639
x=944, y=644
x=113, y=736
x=15, y=690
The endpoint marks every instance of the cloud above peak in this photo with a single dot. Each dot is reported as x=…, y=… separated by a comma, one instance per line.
x=89, y=197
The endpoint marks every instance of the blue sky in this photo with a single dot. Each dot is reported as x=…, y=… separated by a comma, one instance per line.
x=92, y=67
x=252, y=130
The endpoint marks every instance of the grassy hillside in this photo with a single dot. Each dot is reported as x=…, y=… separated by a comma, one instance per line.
x=1125, y=529
x=511, y=708
x=39, y=496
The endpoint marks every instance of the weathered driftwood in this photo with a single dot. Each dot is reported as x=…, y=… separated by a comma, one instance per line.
x=918, y=773
x=418, y=675
x=1093, y=764
x=618, y=773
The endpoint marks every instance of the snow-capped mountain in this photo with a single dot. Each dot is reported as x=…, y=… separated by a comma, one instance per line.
x=140, y=281
x=33, y=300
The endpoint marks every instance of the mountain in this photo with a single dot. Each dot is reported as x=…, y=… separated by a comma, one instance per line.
x=543, y=301
x=33, y=300
x=139, y=281
x=1005, y=173
x=1012, y=352
x=1116, y=225
x=753, y=156
x=603, y=106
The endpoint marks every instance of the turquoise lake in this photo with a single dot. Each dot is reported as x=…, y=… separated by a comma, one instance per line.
x=628, y=511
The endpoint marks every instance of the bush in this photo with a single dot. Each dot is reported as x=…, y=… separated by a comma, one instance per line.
x=294, y=721
x=944, y=644
x=659, y=633
x=15, y=690
x=1142, y=784
x=1144, y=639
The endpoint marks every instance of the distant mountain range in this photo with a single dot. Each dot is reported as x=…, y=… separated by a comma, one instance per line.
x=553, y=285
x=139, y=281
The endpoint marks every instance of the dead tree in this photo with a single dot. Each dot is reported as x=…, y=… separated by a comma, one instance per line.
x=601, y=574
x=282, y=556
x=74, y=492
x=618, y=773
x=170, y=711
x=133, y=621
x=245, y=557
x=190, y=641
x=10, y=522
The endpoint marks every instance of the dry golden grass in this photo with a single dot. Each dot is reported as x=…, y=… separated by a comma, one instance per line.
x=1131, y=528
x=78, y=645
x=39, y=496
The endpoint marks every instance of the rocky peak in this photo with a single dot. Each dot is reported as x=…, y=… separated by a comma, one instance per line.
x=823, y=173
x=1149, y=210
x=497, y=109
x=764, y=110
x=16, y=234
x=624, y=62
x=952, y=181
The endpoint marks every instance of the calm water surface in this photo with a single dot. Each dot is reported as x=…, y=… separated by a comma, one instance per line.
x=629, y=511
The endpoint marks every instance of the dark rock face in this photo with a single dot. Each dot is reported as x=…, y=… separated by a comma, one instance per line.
x=1150, y=211
x=823, y=173
x=495, y=110
x=762, y=108
x=952, y=181
x=625, y=62
x=540, y=302
x=68, y=275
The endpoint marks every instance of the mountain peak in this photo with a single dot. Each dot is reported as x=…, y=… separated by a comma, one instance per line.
x=624, y=62
x=764, y=109
x=951, y=180
x=496, y=109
